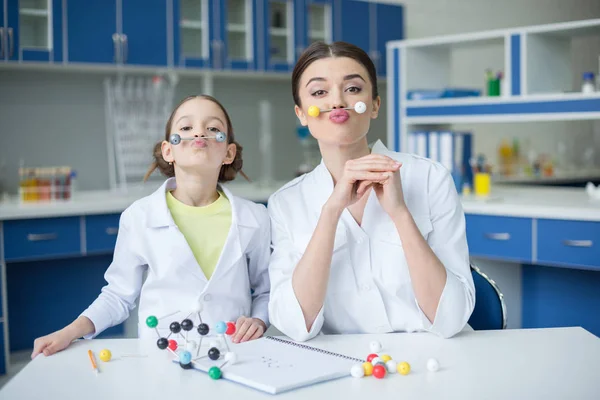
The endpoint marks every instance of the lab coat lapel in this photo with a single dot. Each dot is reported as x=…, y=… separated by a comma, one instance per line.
x=243, y=227
x=169, y=236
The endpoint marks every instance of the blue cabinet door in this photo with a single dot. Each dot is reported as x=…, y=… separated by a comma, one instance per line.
x=145, y=32
x=238, y=31
x=2, y=355
x=312, y=26
x=279, y=31
x=389, y=25
x=194, y=33
x=496, y=237
x=101, y=232
x=91, y=26
x=355, y=24
x=569, y=243
x=27, y=30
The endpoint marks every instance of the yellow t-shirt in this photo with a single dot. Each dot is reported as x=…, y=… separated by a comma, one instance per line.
x=204, y=228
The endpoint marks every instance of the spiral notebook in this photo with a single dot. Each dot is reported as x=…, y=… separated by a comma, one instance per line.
x=275, y=365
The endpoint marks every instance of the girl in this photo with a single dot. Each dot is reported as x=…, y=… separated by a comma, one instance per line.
x=201, y=246
x=371, y=240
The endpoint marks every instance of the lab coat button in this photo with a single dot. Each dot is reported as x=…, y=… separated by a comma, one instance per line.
x=207, y=297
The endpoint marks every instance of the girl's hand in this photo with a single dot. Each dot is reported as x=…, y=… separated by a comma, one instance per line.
x=248, y=329
x=52, y=343
x=358, y=177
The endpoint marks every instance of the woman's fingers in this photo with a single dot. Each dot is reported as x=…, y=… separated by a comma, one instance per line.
x=250, y=332
x=38, y=347
x=373, y=166
x=355, y=176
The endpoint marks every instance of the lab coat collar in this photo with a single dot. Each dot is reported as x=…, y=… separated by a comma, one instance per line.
x=243, y=228
x=159, y=215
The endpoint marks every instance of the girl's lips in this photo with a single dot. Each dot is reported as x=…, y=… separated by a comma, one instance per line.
x=200, y=143
x=339, y=116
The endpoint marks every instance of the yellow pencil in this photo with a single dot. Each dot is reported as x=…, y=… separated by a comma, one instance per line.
x=92, y=359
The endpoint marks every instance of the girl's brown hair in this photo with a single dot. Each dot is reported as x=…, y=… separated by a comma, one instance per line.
x=319, y=50
x=228, y=171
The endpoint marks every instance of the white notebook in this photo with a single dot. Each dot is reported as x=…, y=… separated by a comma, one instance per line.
x=275, y=365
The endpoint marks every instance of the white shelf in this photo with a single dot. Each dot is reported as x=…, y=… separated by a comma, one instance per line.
x=280, y=32
x=238, y=28
x=190, y=24
x=33, y=12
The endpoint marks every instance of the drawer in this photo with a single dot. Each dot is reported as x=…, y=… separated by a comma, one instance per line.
x=2, y=353
x=101, y=232
x=574, y=243
x=506, y=238
x=40, y=238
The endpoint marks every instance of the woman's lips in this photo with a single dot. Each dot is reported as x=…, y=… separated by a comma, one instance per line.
x=339, y=116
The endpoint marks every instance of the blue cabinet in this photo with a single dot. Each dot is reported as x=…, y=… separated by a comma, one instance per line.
x=279, y=29
x=144, y=35
x=505, y=238
x=42, y=238
x=2, y=355
x=389, y=25
x=370, y=26
x=314, y=21
x=31, y=31
x=563, y=242
x=92, y=31
x=124, y=32
x=101, y=232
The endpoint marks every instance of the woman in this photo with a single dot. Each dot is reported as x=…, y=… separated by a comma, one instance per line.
x=371, y=240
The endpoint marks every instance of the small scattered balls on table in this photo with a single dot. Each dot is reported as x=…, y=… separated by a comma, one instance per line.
x=381, y=365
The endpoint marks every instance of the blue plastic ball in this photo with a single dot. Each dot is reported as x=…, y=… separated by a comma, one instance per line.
x=185, y=357
x=220, y=137
x=175, y=139
x=221, y=327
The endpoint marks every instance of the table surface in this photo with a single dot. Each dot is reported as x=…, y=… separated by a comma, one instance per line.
x=557, y=363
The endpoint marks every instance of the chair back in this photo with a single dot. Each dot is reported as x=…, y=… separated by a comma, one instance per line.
x=490, y=309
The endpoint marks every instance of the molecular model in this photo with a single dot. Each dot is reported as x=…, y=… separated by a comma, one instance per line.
x=380, y=366
x=184, y=354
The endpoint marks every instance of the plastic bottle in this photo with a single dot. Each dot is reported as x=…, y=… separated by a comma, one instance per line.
x=588, y=85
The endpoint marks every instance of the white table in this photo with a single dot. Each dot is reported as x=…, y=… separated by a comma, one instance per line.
x=559, y=363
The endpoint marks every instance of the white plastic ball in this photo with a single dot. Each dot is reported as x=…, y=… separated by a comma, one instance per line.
x=433, y=365
x=376, y=360
x=360, y=107
x=357, y=371
x=375, y=346
x=191, y=345
x=392, y=366
x=230, y=357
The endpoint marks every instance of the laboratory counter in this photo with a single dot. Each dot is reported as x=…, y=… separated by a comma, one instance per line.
x=505, y=200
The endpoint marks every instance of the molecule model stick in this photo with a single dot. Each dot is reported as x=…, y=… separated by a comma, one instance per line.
x=176, y=138
x=359, y=107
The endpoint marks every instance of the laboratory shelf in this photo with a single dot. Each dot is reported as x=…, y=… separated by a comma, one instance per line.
x=537, y=78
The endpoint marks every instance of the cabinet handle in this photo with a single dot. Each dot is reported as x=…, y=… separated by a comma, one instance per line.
x=112, y=231
x=40, y=237
x=1, y=43
x=11, y=42
x=124, y=48
x=115, y=38
x=578, y=243
x=498, y=236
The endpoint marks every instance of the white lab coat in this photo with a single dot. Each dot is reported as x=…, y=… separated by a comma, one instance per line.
x=149, y=241
x=370, y=288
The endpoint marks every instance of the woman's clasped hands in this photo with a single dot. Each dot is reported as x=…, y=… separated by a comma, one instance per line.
x=374, y=171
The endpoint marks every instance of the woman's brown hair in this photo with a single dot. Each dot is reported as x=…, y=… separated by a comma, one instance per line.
x=228, y=171
x=320, y=50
